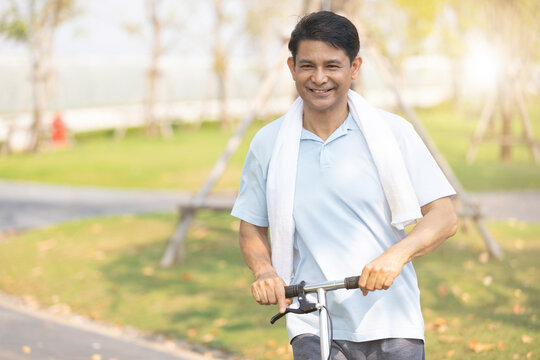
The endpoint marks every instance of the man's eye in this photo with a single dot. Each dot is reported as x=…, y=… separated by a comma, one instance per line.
x=306, y=66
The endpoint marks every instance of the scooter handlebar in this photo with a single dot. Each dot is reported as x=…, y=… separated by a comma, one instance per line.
x=352, y=282
x=292, y=291
x=349, y=283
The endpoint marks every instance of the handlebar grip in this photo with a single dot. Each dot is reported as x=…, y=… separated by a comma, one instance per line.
x=352, y=282
x=292, y=291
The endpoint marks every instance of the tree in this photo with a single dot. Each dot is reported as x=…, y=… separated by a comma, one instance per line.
x=512, y=28
x=160, y=32
x=221, y=67
x=34, y=23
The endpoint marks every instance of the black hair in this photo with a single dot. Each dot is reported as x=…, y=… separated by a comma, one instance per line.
x=328, y=27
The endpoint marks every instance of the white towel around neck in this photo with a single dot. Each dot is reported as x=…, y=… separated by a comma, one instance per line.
x=282, y=176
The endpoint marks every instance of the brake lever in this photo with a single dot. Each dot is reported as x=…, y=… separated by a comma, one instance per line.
x=289, y=310
x=305, y=307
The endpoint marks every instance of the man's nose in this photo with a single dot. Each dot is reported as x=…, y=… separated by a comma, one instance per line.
x=319, y=76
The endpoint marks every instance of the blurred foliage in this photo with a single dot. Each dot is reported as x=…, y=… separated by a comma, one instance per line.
x=185, y=160
x=22, y=20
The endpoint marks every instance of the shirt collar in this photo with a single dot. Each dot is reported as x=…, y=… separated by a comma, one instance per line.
x=348, y=124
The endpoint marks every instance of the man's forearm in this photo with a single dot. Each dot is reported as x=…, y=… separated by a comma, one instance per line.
x=268, y=287
x=255, y=248
x=438, y=224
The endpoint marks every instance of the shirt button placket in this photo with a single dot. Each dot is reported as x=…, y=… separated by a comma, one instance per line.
x=323, y=159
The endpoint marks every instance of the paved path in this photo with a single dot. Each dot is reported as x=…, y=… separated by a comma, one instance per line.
x=27, y=333
x=25, y=205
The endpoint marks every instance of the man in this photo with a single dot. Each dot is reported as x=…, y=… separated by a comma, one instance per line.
x=336, y=180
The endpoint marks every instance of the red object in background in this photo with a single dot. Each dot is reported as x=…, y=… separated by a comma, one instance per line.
x=59, y=131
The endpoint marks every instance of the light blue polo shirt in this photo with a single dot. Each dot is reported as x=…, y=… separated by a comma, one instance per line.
x=343, y=222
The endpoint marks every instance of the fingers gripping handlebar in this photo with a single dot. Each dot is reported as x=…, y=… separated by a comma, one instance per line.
x=299, y=290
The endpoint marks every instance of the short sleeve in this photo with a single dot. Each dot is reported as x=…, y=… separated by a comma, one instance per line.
x=250, y=205
x=428, y=180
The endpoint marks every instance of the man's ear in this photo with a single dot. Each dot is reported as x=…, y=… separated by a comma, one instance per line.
x=356, y=64
x=290, y=63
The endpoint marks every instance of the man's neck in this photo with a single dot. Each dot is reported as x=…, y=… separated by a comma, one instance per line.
x=323, y=124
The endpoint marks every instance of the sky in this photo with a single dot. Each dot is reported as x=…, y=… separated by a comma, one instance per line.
x=99, y=30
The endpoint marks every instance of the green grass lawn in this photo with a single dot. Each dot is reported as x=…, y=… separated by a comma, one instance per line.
x=184, y=161
x=107, y=269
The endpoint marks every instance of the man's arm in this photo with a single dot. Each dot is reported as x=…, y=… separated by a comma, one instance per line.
x=268, y=287
x=439, y=222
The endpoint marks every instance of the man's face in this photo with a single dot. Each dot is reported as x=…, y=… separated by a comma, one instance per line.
x=323, y=75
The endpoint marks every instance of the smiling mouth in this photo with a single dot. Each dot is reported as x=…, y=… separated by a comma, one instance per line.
x=320, y=91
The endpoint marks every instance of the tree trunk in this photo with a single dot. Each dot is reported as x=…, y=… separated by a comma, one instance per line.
x=220, y=66
x=153, y=71
x=505, y=99
x=39, y=99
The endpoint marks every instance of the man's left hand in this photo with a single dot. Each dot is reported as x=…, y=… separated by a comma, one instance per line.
x=380, y=273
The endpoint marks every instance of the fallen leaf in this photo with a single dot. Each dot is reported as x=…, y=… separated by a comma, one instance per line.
x=483, y=257
x=208, y=338
x=283, y=349
x=170, y=344
x=518, y=309
x=193, y=332
x=478, y=347
x=31, y=301
x=220, y=322
x=519, y=244
x=529, y=355
x=95, y=357
x=526, y=339
x=442, y=290
x=439, y=325
x=147, y=271
x=465, y=297
x=500, y=345
x=450, y=353
x=515, y=356
x=187, y=277
x=26, y=349
x=449, y=339
x=488, y=280
x=60, y=309
x=271, y=343
x=517, y=292
x=470, y=316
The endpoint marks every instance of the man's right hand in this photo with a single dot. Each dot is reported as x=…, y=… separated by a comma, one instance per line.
x=268, y=288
